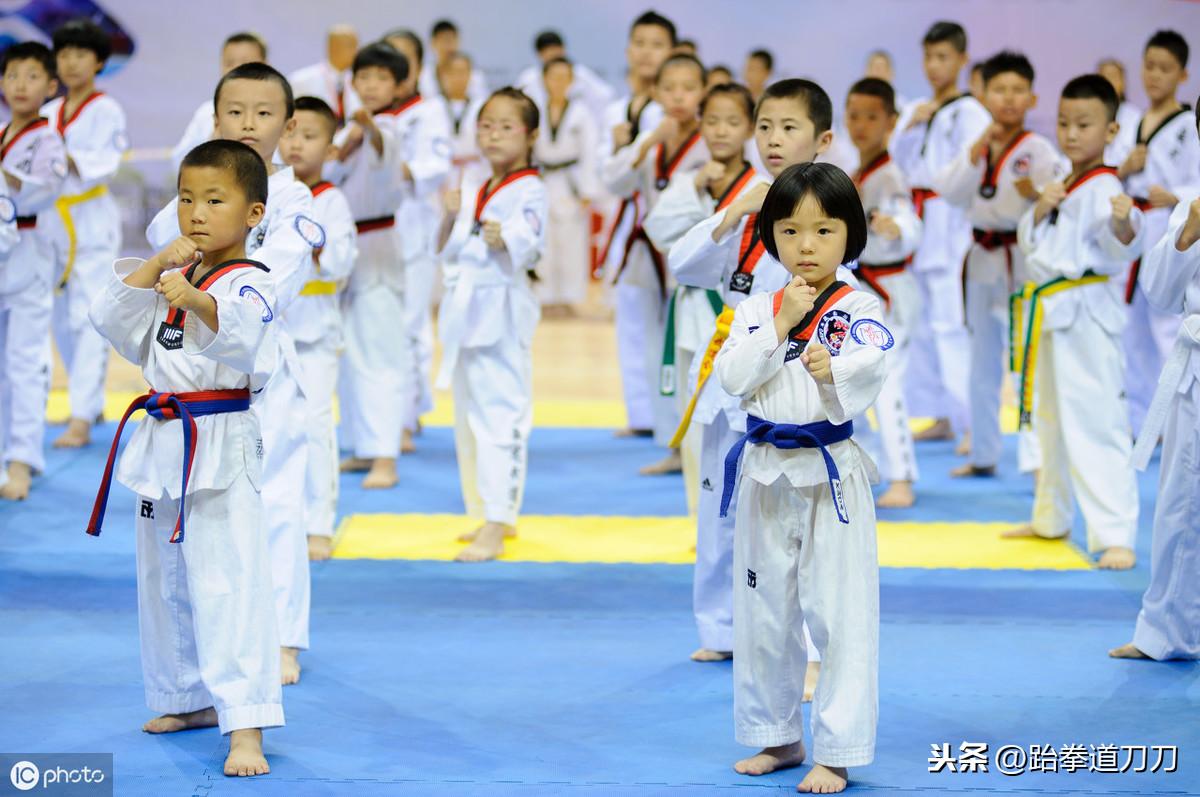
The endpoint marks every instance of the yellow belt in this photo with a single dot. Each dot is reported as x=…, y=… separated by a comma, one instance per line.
x=319, y=288
x=63, y=205
x=1025, y=362
x=720, y=334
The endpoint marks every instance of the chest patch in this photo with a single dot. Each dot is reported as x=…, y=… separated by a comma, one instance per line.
x=170, y=336
x=832, y=330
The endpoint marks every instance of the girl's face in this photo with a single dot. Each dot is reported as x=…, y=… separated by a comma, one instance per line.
x=810, y=243
x=680, y=90
x=725, y=127
x=502, y=135
x=558, y=81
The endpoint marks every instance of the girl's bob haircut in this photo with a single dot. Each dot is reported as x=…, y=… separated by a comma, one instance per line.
x=834, y=192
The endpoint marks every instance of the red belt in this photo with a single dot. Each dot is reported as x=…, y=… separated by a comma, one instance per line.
x=871, y=275
x=1135, y=268
x=660, y=267
x=370, y=225
x=919, y=197
x=26, y=222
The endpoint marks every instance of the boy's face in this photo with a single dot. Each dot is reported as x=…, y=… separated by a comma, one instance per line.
x=942, y=64
x=1008, y=97
x=213, y=209
x=785, y=135
x=456, y=77
x=444, y=43
x=755, y=73
x=376, y=86
x=1161, y=74
x=405, y=47
x=26, y=85
x=649, y=46
x=1084, y=129
x=718, y=77
x=558, y=81
x=810, y=243
x=725, y=127
x=253, y=112
x=879, y=67
x=308, y=144
x=868, y=122
x=237, y=53
x=77, y=66
x=501, y=133
x=680, y=90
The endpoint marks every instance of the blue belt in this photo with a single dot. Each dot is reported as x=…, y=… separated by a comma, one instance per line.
x=166, y=407
x=788, y=436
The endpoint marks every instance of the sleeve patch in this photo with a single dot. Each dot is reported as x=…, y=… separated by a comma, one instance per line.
x=533, y=220
x=256, y=298
x=8, y=209
x=870, y=332
x=442, y=148
x=312, y=233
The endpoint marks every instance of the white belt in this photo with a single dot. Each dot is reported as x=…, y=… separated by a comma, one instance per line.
x=1168, y=384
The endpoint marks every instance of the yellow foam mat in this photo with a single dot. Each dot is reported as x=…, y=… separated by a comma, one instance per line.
x=671, y=540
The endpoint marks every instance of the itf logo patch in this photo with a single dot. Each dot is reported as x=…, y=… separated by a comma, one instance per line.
x=170, y=336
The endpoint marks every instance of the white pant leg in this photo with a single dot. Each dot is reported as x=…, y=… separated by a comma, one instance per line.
x=987, y=323
x=664, y=408
x=938, y=371
x=416, y=389
x=689, y=448
x=25, y=379
x=895, y=440
x=208, y=632
x=1147, y=340
x=284, y=421
x=376, y=363
x=712, y=581
x=1168, y=626
x=1053, y=510
x=564, y=269
x=319, y=369
x=493, y=386
x=633, y=338
x=84, y=351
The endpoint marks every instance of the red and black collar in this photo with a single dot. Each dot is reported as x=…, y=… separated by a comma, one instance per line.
x=807, y=327
x=61, y=123
x=29, y=127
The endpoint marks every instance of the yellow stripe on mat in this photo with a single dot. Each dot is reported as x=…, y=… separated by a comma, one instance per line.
x=671, y=540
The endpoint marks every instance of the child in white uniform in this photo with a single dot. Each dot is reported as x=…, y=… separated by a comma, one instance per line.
x=490, y=241
x=806, y=360
x=200, y=335
x=1076, y=238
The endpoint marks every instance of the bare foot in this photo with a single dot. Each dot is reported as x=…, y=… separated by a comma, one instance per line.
x=1027, y=533
x=771, y=759
x=382, y=475
x=898, y=495
x=630, y=432
x=510, y=533
x=20, y=479
x=939, y=430
x=289, y=666
x=704, y=654
x=487, y=545
x=171, y=723
x=824, y=780
x=77, y=435
x=964, y=445
x=671, y=463
x=1115, y=558
x=970, y=471
x=320, y=547
x=246, y=757
x=810, y=680
x=355, y=465
x=1127, y=651
x=407, y=446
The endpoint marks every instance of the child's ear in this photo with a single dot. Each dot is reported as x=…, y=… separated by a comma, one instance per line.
x=1032, y=101
x=255, y=214
x=1111, y=132
x=824, y=141
x=331, y=152
x=289, y=126
x=52, y=88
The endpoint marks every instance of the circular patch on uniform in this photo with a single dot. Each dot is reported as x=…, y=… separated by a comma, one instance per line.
x=870, y=332
x=442, y=147
x=59, y=168
x=533, y=220
x=8, y=209
x=1022, y=165
x=312, y=233
x=256, y=298
x=832, y=329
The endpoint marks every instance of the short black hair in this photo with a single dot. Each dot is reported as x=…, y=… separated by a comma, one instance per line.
x=547, y=39
x=1007, y=61
x=443, y=26
x=1173, y=43
x=680, y=58
x=246, y=37
x=1093, y=87
x=249, y=171
x=384, y=56
x=720, y=68
x=256, y=70
x=412, y=38
x=950, y=32
x=736, y=92
x=84, y=34
x=814, y=99
x=321, y=108
x=30, y=51
x=876, y=87
x=764, y=56
x=555, y=62
x=653, y=18
x=1198, y=113
x=832, y=189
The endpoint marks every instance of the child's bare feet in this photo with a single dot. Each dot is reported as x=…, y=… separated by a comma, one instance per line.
x=969, y=471
x=631, y=432
x=939, y=430
x=771, y=759
x=77, y=435
x=246, y=757
x=510, y=533
x=810, y=680
x=1127, y=651
x=20, y=479
x=824, y=780
x=671, y=463
x=964, y=445
x=407, y=446
x=320, y=547
x=1117, y=558
x=487, y=545
x=382, y=475
x=1027, y=533
x=355, y=465
x=171, y=723
x=289, y=666
x=898, y=495
x=704, y=654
